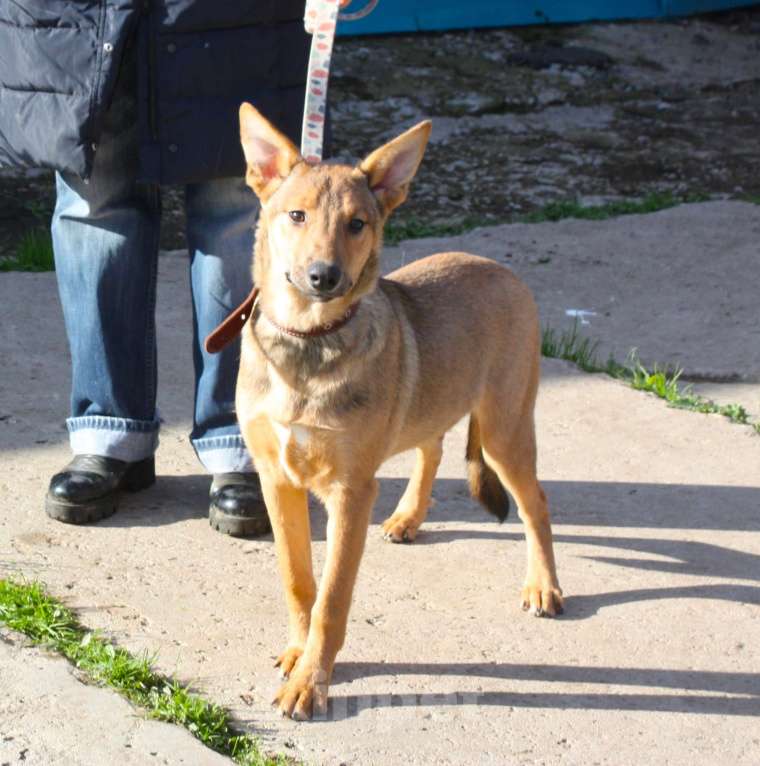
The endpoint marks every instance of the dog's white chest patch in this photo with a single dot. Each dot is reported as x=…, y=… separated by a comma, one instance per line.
x=300, y=434
x=295, y=433
x=291, y=438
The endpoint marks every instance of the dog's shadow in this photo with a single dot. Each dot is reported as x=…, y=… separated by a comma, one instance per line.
x=594, y=505
x=692, y=691
x=600, y=509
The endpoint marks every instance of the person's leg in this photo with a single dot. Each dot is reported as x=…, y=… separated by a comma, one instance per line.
x=221, y=216
x=105, y=240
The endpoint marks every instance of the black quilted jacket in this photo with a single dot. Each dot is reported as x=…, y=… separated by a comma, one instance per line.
x=197, y=61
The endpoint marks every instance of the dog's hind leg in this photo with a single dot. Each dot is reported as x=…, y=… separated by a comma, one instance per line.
x=402, y=526
x=509, y=448
x=485, y=485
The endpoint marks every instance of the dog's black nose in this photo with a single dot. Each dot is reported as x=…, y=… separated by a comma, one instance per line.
x=324, y=277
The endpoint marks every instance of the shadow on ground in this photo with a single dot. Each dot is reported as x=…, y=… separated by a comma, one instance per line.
x=582, y=503
x=711, y=688
x=668, y=508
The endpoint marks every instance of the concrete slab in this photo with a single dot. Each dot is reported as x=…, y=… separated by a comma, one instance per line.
x=657, y=523
x=678, y=285
x=695, y=52
x=48, y=716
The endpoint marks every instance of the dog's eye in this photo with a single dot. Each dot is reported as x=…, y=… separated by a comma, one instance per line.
x=297, y=216
x=356, y=225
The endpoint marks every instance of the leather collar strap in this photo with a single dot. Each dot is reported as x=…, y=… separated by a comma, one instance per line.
x=233, y=325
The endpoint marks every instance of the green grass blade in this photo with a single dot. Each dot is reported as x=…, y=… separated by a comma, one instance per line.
x=35, y=253
x=662, y=382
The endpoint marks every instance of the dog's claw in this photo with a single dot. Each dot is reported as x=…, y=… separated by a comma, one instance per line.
x=542, y=601
x=303, y=695
x=400, y=528
x=288, y=660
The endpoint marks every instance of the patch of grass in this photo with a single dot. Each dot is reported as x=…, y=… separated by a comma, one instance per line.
x=28, y=609
x=414, y=228
x=40, y=209
x=662, y=382
x=556, y=211
x=666, y=385
x=571, y=346
x=35, y=253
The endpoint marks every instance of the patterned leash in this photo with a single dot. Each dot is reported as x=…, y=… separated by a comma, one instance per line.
x=320, y=20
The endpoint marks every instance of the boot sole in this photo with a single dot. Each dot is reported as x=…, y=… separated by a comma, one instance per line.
x=138, y=476
x=237, y=526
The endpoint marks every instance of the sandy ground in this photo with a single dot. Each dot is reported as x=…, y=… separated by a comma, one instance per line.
x=656, y=517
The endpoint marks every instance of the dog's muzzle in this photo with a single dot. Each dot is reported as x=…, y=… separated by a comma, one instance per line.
x=324, y=281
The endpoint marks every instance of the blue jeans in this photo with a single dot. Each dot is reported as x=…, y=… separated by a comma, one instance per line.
x=106, y=239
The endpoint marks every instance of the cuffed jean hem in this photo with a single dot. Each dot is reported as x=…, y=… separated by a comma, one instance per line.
x=119, y=438
x=223, y=454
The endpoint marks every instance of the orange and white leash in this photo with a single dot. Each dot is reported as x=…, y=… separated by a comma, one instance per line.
x=320, y=20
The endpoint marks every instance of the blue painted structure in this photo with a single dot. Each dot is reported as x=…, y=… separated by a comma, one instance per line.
x=430, y=15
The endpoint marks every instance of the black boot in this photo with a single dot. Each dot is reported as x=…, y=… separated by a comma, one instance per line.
x=89, y=487
x=237, y=507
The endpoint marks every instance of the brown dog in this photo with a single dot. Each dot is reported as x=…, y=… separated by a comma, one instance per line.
x=341, y=369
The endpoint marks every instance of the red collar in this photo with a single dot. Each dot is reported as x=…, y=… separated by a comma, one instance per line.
x=231, y=327
x=320, y=329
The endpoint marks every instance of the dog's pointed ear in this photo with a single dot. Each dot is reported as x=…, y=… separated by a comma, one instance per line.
x=390, y=168
x=269, y=154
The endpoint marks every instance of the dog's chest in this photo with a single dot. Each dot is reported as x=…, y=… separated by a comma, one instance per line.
x=303, y=453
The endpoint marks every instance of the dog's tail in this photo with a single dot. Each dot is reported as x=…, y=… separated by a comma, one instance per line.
x=484, y=483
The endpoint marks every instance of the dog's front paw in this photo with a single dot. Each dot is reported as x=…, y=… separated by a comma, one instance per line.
x=303, y=695
x=288, y=659
x=542, y=600
x=400, y=528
